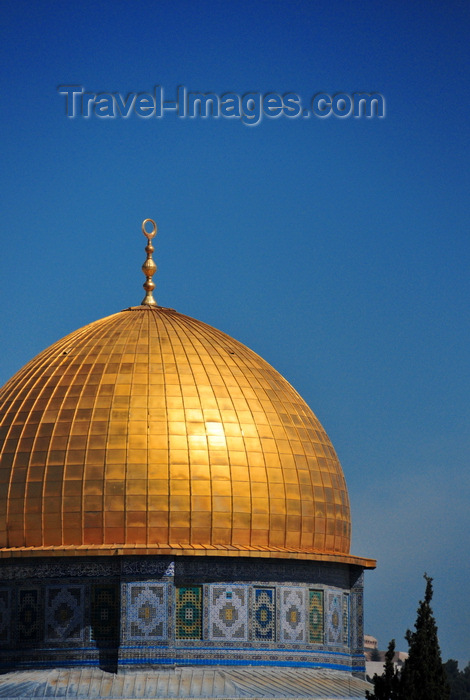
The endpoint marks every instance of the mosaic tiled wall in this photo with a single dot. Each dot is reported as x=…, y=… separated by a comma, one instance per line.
x=345, y=619
x=188, y=622
x=65, y=613
x=30, y=615
x=264, y=615
x=105, y=613
x=228, y=613
x=142, y=607
x=357, y=620
x=334, y=618
x=315, y=617
x=147, y=611
x=293, y=625
x=5, y=615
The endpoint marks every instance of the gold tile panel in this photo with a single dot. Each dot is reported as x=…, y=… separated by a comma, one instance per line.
x=151, y=432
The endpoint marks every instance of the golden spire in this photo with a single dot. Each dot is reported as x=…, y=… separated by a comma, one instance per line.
x=149, y=268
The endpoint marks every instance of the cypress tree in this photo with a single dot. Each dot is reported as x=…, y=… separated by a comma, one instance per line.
x=386, y=686
x=459, y=681
x=423, y=676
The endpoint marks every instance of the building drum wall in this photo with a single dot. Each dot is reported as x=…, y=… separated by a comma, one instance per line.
x=130, y=611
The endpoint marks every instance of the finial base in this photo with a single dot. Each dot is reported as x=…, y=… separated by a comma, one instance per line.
x=148, y=301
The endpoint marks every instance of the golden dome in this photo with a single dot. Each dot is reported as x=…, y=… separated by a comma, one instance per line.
x=150, y=432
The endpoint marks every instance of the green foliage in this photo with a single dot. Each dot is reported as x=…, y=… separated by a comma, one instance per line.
x=423, y=676
x=459, y=681
x=386, y=686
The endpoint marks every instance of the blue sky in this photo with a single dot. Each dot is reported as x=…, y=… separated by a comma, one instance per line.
x=336, y=248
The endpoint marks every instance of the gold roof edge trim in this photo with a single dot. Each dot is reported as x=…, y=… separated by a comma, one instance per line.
x=186, y=550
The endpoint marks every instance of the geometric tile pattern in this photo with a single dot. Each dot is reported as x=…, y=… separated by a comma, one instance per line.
x=5, y=615
x=64, y=613
x=334, y=618
x=189, y=612
x=357, y=617
x=46, y=610
x=345, y=618
x=315, y=617
x=228, y=612
x=302, y=617
x=147, y=611
x=105, y=613
x=293, y=617
x=264, y=615
x=29, y=615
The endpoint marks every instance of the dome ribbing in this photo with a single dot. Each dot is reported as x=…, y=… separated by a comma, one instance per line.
x=152, y=432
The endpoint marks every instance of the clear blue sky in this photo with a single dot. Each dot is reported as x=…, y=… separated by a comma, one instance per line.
x=338, y=249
